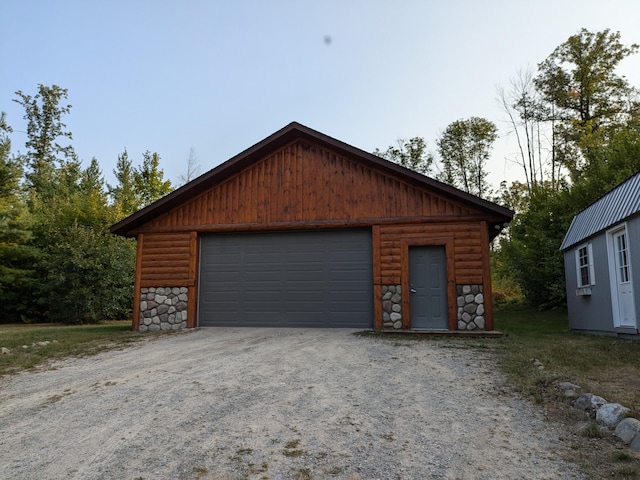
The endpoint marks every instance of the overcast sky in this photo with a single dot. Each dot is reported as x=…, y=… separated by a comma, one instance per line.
x=219, y=76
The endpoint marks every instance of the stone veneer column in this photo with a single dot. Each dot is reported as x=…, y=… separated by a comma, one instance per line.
x=392, y=306
x=470, y=304
x=163, y=308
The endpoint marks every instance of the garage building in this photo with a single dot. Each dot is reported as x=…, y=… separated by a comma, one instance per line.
x=303, y=230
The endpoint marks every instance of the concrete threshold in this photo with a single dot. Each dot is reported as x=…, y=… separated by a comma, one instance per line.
x=447, y=333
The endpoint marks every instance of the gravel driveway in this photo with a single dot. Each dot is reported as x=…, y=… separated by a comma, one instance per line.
x=229, y=403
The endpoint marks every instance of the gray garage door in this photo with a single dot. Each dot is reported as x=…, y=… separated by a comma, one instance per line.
x=286, y=279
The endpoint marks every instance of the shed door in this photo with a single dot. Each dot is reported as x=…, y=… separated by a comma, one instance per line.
x=622, y=286
x=287, y=279
x=428, y=284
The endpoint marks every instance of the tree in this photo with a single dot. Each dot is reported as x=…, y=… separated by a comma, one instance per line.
x=123, y=194
x=193, y=168
x=149, y=180
x=44, y=114
x=527, y=111
x=16, y=257
x=410, y=154
x=579, y=80
x=464, y=148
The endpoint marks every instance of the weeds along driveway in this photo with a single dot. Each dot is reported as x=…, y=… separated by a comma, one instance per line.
x=274, y=404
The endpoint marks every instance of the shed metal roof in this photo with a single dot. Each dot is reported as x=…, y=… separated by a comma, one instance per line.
x=613, y=207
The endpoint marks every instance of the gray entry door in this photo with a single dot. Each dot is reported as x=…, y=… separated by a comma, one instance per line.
x=287, y=279
x=428, y=288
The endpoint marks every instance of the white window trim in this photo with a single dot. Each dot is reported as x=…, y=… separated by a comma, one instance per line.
x=592, y=275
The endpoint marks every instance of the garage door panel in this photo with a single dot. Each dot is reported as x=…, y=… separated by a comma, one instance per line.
x=292, y=279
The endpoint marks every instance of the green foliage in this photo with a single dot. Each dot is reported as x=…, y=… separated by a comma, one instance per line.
x=16, y=256
x=44, y=114
x=587, y=98
x=464, y=148
x=596, y=138
x=58, y=261
x=149, y=181
x=411, y=154
x=123, y=194
x=531, y=252
x=87, y=275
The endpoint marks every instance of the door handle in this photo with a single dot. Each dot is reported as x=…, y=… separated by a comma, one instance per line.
x=413, y=290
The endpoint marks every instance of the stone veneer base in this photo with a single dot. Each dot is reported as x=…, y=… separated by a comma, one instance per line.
x=392, y=307
x=163, y=308
x=470, y=303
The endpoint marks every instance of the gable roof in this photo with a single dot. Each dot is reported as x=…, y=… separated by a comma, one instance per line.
x=296, y=131
x=619, y=203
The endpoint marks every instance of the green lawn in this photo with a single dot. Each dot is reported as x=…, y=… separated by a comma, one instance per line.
x=64, y=341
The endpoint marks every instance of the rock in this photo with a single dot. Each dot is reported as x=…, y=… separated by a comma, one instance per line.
x=460, y=301
x=154, y=328
x=163, y=309
x=160, y=298
x=5, y=351
x=397, y=325
x=479, y=298
x=392, y=288
x=143, y=305
x=589, y=402
x=480, y=309
x=43, y=344
x=387, y=296
x=538, y=364
x=387, y=306
x=395, y=316
x=470, y=308
x=569, y=389
x=610, y=414
x=396, y=308
x=396, y=298
x=479, y=320
x=635, y=443
x=627, y=429
x=466, y=289
x=469, y=298
x=461, y=325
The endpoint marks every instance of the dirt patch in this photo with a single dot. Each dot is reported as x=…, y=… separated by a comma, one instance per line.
x=275, y=404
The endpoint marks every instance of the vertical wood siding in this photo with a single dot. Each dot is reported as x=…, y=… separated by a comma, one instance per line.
x=306, y=183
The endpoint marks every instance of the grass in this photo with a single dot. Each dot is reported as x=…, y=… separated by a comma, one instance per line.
x=63, y=341
x=605, y=366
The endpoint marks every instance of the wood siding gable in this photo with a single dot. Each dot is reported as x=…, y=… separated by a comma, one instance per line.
x=306, y=183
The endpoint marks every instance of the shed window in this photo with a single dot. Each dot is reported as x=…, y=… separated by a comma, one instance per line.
x=584, y=266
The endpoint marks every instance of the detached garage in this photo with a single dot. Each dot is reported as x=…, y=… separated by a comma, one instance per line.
x=302, y=230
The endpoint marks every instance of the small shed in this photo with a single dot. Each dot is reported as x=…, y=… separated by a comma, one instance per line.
x=602, y=263
x=303, y=230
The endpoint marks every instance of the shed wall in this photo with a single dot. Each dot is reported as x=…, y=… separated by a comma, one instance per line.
x=590, y=312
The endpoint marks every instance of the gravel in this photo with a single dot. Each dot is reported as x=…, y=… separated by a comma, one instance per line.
x=230, y=403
